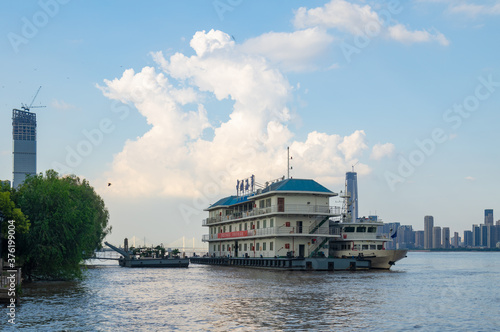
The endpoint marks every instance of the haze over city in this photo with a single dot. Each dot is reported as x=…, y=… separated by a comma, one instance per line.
x=163, y=111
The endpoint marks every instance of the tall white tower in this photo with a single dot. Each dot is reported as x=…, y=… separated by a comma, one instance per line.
x=351, y=179
x=24, y=145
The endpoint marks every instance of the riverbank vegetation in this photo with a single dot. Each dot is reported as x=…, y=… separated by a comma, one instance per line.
x=67, y=223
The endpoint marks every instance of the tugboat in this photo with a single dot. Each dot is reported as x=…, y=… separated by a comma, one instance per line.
x=358, y=236
x=129, y=260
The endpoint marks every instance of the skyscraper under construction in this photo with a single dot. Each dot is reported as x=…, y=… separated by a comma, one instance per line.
x=24, y=144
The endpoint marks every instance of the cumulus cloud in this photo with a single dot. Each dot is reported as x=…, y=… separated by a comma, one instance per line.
x=175, y=158
x=337, y=14
x=380, y=151
x=294, y=51
x=361, y=20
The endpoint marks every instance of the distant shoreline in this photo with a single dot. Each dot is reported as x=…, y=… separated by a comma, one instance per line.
x=455, y=249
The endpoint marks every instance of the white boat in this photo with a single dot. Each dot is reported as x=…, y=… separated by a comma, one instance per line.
x=359, y=237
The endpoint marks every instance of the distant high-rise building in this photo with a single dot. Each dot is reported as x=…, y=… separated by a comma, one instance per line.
x=419, y=239
x=491, y=236
x=24, y=145
x=476, y=236
x=352, y=190
x=428, y=226
x=456, y=240
x=488, y=217
x=483, y=231
x=446, y=238
x=389, y=229
x=405, y=237
x=467, y=238
x=436, y=237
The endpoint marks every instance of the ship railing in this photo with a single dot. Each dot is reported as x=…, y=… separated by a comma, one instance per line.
x=271, y=231
x=287, y=208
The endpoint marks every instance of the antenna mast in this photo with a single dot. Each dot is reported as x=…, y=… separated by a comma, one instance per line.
x=288, y=162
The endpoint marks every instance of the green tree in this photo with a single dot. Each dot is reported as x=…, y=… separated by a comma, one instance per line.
x=10, y=212
x=68, y=223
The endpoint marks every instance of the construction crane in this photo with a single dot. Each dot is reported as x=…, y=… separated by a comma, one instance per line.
x=27, y=108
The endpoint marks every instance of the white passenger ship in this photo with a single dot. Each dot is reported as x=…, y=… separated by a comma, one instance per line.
x=287, y=223
x=287, y=218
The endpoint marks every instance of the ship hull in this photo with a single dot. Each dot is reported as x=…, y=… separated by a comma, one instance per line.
x=380, y=259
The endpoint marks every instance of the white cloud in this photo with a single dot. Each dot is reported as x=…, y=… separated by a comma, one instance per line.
x=380, y=151
x=361, y=20
x=470, y=178
x=61, y=105
x=295, y=51
x=174, y=158
x=474, y=9
x=337, y=14
x=400, y=33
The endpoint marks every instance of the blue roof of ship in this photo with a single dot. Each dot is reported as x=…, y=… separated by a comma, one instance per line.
x=297, y=185
x=231, y=200
x=285, y=185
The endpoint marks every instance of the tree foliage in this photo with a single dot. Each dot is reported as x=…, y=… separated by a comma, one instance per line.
x=10, y=212
x=68, y=223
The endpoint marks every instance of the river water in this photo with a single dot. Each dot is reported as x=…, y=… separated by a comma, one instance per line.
x=423, y=292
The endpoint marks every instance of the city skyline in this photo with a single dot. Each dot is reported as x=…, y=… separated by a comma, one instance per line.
x=486, y=235
x=172, y=106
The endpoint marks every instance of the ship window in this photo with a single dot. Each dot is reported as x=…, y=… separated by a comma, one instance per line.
x=257, y=246
x=218, y=248
x=244, y=247
x=365, y=247
x=223, y=247
x=361, y=229
x=264, y=246
x=355, y=247
x=268, y=202
x=264, y=222
x=349, y=229
x=239, y=247
x=214, y=248
x=373, y=247
x=271, y=245
x=261, y=204
x=246, y=226
x=224, y=229
x=240, y=227
x=271, y=222
x=258, y=224
x=230, y=228
x=372, y=229
x=379, y=246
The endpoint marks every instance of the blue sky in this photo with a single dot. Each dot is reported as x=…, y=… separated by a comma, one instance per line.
x=173, y=101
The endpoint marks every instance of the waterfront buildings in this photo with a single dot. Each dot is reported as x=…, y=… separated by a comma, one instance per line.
x=24, y=145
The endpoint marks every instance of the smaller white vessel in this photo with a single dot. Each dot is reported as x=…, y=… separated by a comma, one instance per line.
x=358, y=236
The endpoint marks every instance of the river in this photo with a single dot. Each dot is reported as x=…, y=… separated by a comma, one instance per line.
x=438, y=291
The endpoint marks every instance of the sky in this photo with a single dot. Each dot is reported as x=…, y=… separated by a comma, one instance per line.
x=173, y=101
